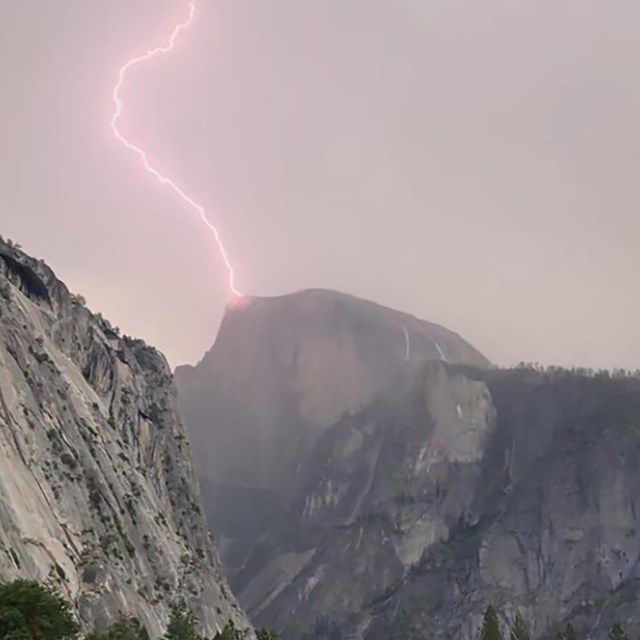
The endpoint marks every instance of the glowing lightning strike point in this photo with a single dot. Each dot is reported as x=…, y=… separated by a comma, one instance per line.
x=143, y=156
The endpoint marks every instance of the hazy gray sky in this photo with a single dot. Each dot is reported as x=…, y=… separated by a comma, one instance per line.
x=474, y=162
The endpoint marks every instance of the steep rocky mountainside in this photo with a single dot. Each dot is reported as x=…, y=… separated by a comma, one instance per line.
x=467, y=487
x=97, y=491
x=410, y=490
x=551, y=526
x=282, y=371
x=379, y=487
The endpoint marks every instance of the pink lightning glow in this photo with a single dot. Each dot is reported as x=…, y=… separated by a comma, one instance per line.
x=143, y=156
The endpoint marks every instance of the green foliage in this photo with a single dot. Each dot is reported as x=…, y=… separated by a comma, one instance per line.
x=229, y=633
x=490, y=629
x=520, y=630
x=182, y=624
x=29, y=611
x=127, y=628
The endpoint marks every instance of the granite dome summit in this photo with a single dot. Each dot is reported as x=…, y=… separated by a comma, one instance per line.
x=369, y=475
x=287, y=366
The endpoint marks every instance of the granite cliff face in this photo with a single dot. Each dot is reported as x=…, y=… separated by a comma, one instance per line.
x=551, y=525
x=97, y=491
x=281, y=372
x=396, y=484
x=380, y=487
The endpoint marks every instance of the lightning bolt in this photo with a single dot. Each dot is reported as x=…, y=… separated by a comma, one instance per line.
x=117, y=114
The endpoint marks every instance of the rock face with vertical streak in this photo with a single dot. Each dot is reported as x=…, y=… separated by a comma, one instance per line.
x=281, y=380
x=284, y=368
x=379, y=488
x=363, y=494
x=97, y=490
x=551, y=526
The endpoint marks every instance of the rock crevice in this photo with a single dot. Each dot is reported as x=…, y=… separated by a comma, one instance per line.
x=97, y=491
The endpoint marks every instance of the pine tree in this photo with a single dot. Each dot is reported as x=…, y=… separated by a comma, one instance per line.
x=618, y=633
x=229, y=633
x=520, y=630
x=29, y=611
x=490, y=629
x=182, y=624
x=569, y=633
x=126, y=628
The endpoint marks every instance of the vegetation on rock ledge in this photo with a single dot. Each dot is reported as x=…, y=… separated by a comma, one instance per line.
x=30, y=611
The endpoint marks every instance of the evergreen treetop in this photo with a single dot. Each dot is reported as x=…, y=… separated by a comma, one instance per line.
x=490, y=629
x=30, y=611
x=520, y=630
x=182, y=624
x=229, y=633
